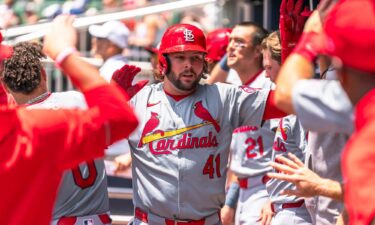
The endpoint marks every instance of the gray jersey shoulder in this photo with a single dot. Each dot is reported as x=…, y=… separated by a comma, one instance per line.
x=180, y=145
x=323, y=106
x=251, y=146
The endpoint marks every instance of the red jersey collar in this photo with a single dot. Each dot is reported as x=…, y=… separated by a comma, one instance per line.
x=365, y=109
x=254, y=77
x=177, y=97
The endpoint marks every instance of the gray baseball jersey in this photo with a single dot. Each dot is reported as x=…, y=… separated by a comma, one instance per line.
x=290, y=138
x=180, y=149
x=83, y=190
x=251, y=151
x=251, y=146
x=323, y=108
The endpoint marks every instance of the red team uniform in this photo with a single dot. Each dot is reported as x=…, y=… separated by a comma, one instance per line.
x=43, y=143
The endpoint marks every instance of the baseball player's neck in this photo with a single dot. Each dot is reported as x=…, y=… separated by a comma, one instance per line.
x=249, y=73
x=37, y=95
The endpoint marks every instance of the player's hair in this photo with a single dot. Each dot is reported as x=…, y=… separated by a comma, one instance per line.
x=22, y=72
x=272, y=44
x=259, y=34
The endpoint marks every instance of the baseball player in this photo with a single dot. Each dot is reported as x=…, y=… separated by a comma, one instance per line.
x=38, y=145
x=180, y=150
x=355, y=74
x=251, y=147
x=328, y=134
x=290, y=137
x=83, y=193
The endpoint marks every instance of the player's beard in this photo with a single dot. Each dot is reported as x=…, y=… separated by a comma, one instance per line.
x=184, y=86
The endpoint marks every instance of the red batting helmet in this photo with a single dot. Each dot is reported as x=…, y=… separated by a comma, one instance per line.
x=180, y=38
x=217, y=42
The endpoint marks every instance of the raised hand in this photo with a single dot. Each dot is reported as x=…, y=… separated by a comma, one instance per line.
x=293, y=170
x=60, y=36
x=124, y=78
x=292, y=21
x=122, y=163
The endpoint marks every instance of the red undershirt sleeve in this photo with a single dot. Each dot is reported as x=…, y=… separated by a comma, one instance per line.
x=272, y=111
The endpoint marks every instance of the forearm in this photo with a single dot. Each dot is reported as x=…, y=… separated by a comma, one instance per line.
x=83, y=75
x=330, y=188
x=114, y=110
x=217, y=75
x=220, y=72
x=295, y=68
x=232, y=195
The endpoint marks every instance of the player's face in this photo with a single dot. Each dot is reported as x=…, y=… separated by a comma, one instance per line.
x=240, y=49
x=99, y=46
x=270, y=65
x=186, y=70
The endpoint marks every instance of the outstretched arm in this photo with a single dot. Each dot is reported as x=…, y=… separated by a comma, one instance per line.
x=80, y=135
x=300, y=64
x=220, y=72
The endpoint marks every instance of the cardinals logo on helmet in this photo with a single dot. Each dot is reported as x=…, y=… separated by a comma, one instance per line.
x=188, y=35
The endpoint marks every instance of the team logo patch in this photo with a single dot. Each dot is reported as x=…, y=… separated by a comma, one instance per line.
x=205, y=115
x=166, y=141
x=188, y=35
x=283, y=130
x=150, y=126
x=248, y=89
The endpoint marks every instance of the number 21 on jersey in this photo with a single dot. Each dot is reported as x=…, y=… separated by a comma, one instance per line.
x=251, y=144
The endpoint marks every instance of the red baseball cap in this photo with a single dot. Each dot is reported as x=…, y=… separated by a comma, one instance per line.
x=5, y=50
x=350, y=29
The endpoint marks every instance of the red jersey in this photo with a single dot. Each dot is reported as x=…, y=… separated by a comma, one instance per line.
x=359, y=164
x=38, y=145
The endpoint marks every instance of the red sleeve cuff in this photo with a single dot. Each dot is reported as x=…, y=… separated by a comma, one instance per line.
x=271, y=111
